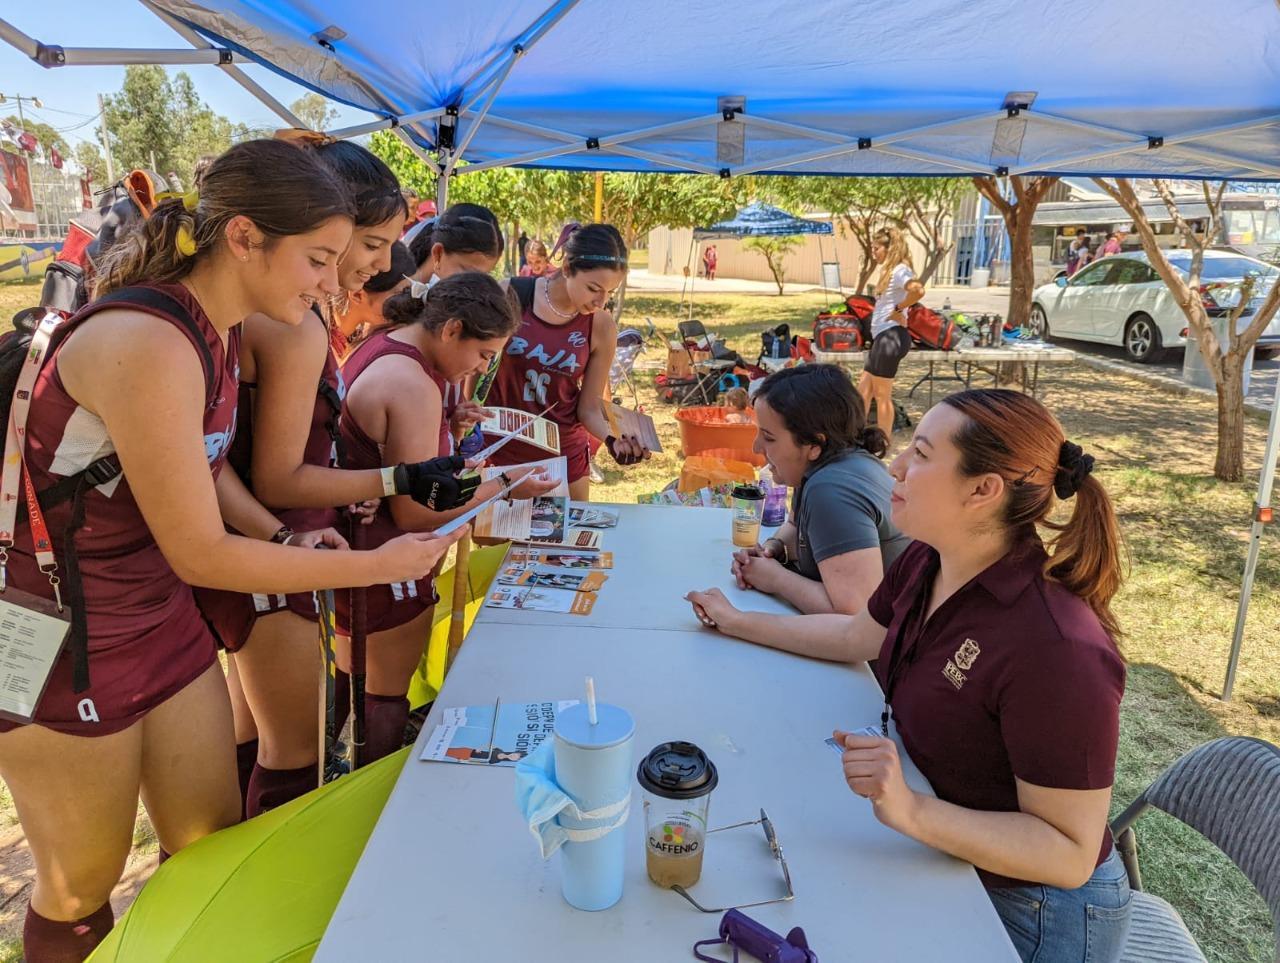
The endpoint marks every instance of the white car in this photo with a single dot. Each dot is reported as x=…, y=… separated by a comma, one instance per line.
x=1121, y=300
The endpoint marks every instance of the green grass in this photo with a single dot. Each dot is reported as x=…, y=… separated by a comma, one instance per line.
x=1186, y=535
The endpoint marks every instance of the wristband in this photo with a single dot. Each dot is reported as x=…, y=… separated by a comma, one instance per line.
x=389, y=482
x=282, y=535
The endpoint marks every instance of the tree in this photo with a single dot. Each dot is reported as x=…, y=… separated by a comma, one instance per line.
x=1018, y=214
x=89, y=157
x=314, y=111
x=1225, y=361
x=153, y=115
x=927, y=203
x=774, y=250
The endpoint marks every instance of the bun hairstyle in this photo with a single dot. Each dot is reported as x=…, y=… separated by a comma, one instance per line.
x=372, y=186
x=401, y=267
x=462, y=229
x=589, y=247
x=302, y=195
x=485, y=309
x=1014, y=436
x=820, y=406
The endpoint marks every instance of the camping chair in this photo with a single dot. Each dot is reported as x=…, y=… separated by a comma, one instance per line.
x=707, y=371
x=1229, y=791
x=631, y=345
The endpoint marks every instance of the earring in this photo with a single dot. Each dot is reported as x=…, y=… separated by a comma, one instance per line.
x=245, y=258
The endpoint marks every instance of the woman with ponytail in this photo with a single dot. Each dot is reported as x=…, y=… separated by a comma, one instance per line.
x=286, y=450
x=394, y=411
x=142, y=385
x=561, y=355
x=833, y=551
x=896, y=290
x=997, y=656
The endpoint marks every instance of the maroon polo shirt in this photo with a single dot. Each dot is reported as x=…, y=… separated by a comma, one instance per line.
x=1011, y=676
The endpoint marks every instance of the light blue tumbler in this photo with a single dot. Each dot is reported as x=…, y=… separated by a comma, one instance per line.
x=593, y=767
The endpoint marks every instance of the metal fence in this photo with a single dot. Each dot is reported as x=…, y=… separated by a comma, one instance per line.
x=974, y=245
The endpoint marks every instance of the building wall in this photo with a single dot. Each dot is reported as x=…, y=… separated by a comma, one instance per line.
x=671, y=249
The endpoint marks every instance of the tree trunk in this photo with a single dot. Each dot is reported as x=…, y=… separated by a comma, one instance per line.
x=776, y=270
x=619, y=300
x=1229, y=464
x=1022, y=268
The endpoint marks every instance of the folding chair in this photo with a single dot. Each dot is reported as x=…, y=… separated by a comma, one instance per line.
x=707, y=371
x=631, y=344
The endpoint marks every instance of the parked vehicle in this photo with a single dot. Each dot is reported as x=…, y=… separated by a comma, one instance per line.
x=1121, y=300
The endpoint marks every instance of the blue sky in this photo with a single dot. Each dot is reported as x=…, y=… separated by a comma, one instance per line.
x=70, y=94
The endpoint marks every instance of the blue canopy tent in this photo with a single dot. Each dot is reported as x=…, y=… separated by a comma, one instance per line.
x=878, y=87
x=755, y=220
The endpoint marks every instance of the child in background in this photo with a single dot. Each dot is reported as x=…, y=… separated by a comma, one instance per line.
x=736, y=400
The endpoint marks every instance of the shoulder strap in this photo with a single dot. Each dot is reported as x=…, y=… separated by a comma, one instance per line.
x=165, y=304
x=524, y=288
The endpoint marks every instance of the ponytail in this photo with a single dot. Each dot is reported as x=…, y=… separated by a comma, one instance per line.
x=182, y=231
x=1012, y=435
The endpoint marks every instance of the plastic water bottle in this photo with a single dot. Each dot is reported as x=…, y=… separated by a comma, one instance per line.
x=946, y=304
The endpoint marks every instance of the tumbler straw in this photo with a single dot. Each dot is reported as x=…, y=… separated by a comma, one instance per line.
x=591, y=700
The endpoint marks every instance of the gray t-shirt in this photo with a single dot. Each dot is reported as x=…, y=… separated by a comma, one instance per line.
x=843, y=506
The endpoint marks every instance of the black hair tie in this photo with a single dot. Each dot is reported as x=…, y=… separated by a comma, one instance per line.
x=1074, y=466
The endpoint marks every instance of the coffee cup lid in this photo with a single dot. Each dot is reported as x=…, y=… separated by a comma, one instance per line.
x=677, y=770
x=747, y=491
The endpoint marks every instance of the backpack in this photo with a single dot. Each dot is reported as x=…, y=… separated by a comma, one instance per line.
x=776, y=343
x=929, y=329
x=838, y=332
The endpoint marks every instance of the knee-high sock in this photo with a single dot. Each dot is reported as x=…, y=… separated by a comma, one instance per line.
x=341, y=701
x=385, y=718
x=269, y=788
x=70, y=941
x=246, y=759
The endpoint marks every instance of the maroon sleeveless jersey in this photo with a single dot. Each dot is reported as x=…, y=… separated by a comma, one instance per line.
x=544, y=364
x=232, y=615
x=388, y=606
x=147, y=639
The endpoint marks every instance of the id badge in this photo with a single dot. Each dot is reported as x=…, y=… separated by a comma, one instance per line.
x=32, y=635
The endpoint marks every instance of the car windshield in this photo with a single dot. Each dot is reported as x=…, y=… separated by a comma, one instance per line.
x=1225, y=268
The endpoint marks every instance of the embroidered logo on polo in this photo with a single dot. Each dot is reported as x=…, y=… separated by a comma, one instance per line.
x=962, y=662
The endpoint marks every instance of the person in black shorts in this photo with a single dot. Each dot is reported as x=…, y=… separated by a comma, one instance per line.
x=896, y=290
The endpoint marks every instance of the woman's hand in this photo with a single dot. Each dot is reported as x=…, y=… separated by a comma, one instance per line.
x=412, y=556
x=756, y=568
x=326, y=537
x=627, y=450
x=873, y=770
x=366, y=510
x=713, y=609
x=533, y=484
x=466, y=416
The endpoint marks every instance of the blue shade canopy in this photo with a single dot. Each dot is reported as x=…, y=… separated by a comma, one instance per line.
x=759, y=219
x=933, y=87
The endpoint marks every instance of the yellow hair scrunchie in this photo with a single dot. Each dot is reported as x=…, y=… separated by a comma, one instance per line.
x=191, y=200
x=186, y=242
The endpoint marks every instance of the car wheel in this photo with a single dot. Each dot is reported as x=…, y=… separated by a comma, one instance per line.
x=1266, y=354
x=1142, y=340
x=1038, y=322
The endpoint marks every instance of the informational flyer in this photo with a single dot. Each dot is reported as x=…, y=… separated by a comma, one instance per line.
x=537, y=435
x=524, y=556
x=544, y=520
x=496, y=735
x=625, y=421
x=534, y=599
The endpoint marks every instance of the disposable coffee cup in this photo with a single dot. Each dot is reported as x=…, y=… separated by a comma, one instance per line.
x=748, y=509
x=677, y=779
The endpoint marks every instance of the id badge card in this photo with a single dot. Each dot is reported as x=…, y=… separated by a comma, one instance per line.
x=32, y=635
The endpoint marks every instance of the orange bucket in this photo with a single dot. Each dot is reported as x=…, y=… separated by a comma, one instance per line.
x=734, y=454
x=703, y=428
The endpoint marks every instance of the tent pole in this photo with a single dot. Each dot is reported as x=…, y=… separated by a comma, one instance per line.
x=232, y=71
x=1263, y=505
x=442, y=189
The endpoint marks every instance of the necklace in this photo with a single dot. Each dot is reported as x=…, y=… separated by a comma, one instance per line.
x=546, y=297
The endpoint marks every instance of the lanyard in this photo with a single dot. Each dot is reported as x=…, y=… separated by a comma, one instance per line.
x=899, y=660
x=15, y=465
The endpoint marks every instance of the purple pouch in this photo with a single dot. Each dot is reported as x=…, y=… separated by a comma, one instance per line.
x=743, y=933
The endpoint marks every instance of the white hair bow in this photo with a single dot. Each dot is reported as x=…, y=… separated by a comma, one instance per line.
x=418, y=289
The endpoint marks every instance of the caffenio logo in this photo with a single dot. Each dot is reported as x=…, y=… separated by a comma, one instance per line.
x=673, y=837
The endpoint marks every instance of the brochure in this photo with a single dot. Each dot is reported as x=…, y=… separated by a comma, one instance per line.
x=537, y=436
x=532, y=599
x=543, y=520
x=523, y=556
x=496, y=735
x=625, y=421
x=589, y=517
